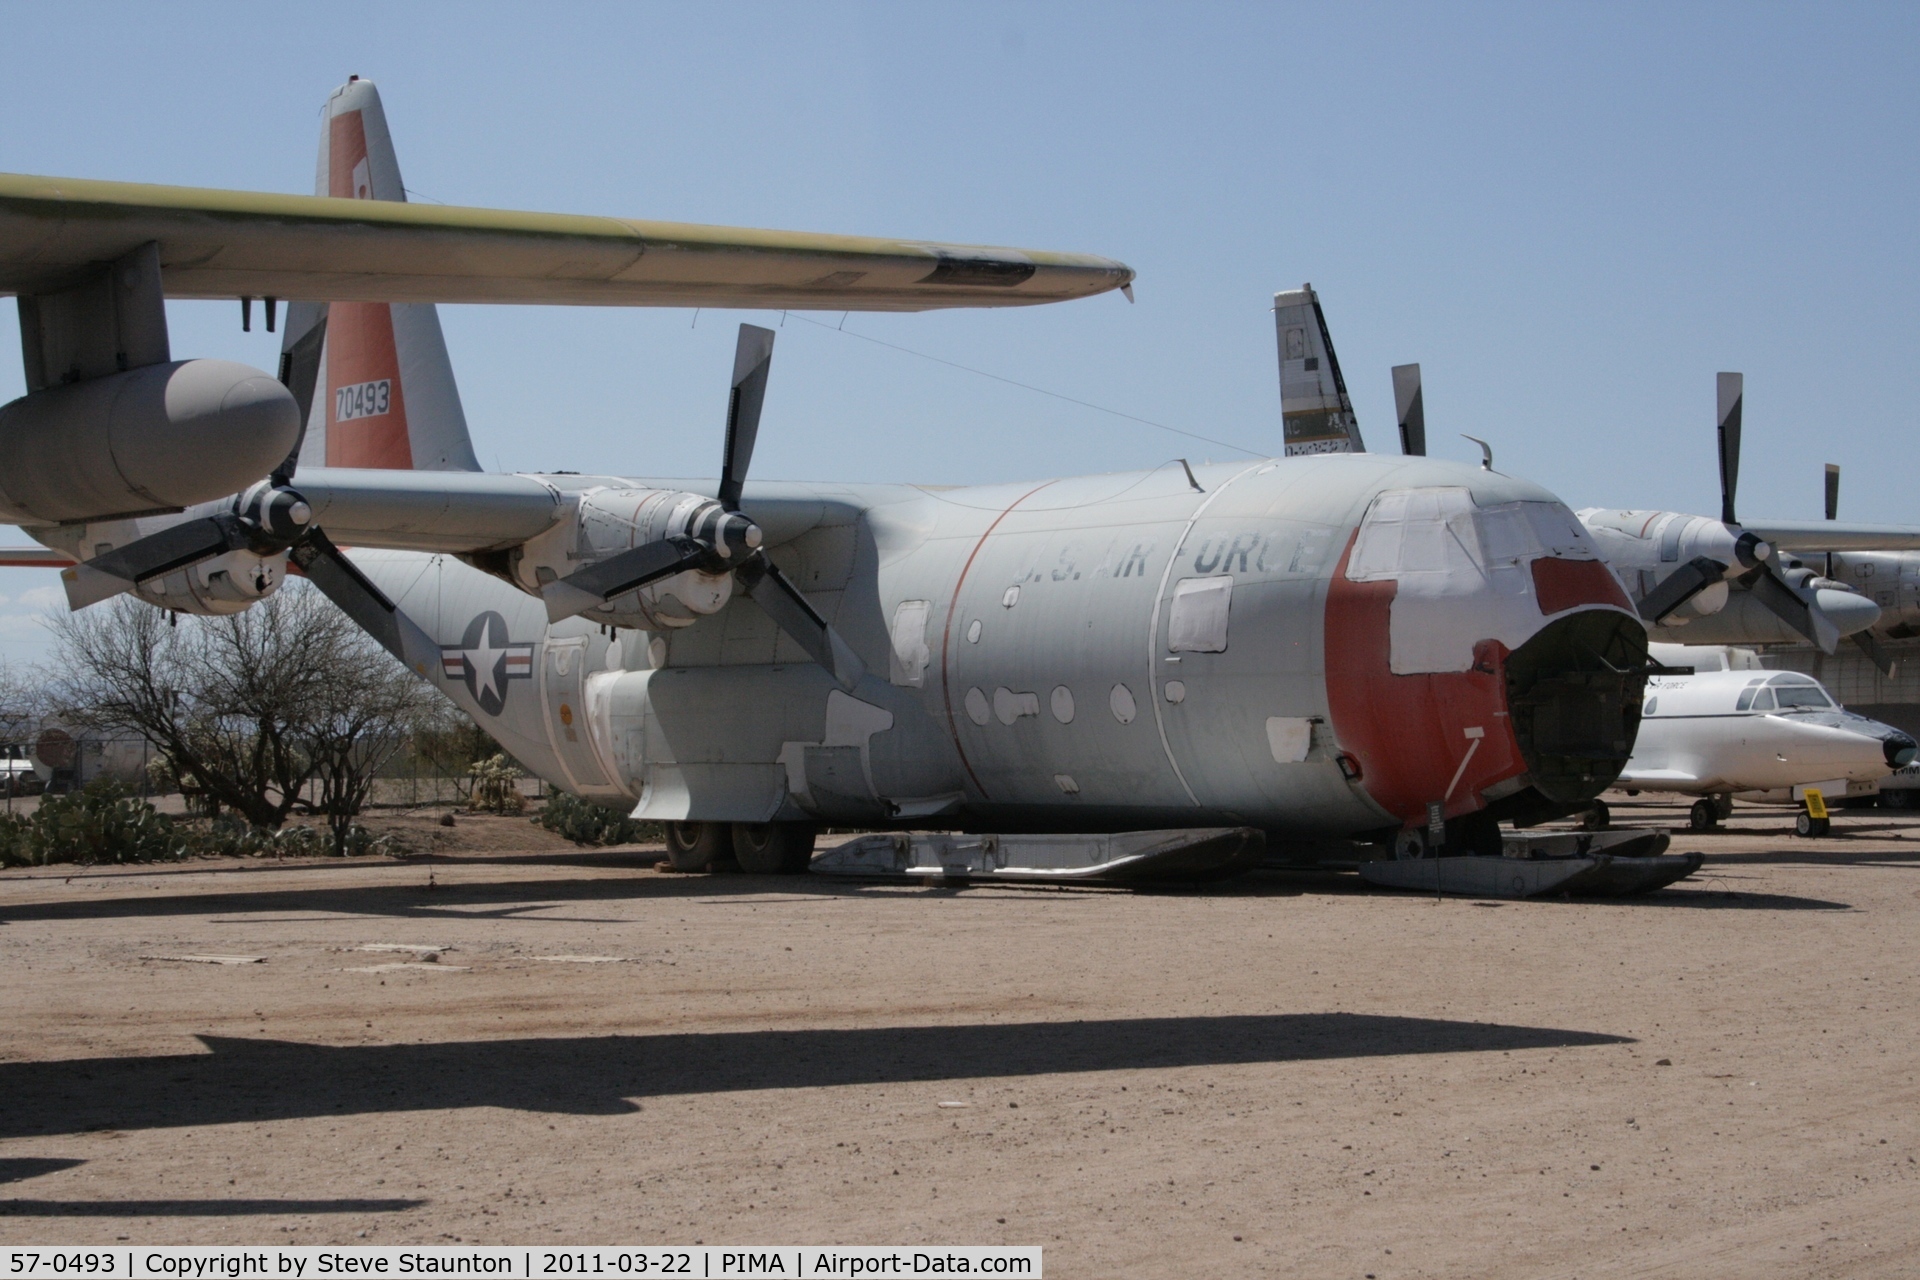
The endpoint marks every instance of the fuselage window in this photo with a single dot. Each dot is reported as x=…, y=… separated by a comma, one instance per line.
x=1197, y=622
x=1651, y=704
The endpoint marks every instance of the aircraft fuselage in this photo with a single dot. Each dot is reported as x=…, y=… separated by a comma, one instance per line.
x=1283, y=647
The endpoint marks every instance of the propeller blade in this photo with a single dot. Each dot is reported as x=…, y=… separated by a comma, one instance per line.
x=304, y=338
x=752, y=358
x=596, y=584
x=1833, y=503
x=363, y=602
x=1785, y=603
x=1410, y=409
x=1876, y=652
x=171, y=548
x=1680, y=586
x=794, y=614
x=1731, y=388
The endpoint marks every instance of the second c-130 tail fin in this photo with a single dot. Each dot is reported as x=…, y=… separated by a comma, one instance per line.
x=1316, y=414
x=383, y=394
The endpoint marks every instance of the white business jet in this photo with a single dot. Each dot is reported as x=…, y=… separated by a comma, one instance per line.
x=1730, y=728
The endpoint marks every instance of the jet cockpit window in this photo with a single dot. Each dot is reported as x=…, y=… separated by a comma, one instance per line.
x=1761, y=700
x=1803, y=695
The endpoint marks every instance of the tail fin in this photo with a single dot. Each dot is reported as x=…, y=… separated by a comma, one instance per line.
x=1315, y=413
x=387, y=397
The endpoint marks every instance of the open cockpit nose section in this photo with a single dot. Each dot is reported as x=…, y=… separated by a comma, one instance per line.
x=1480, y=657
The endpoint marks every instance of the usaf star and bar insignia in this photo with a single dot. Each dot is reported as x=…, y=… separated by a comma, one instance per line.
x=487, y=661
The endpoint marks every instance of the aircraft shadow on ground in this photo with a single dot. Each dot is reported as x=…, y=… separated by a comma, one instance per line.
x=517, y=898
x=245, y=1080
x=192, y=1208
x=1871, y=854
x=20, y=1168
x=1707, y=892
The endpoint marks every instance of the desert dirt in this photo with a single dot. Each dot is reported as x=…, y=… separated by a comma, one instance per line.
x=1286, y=1075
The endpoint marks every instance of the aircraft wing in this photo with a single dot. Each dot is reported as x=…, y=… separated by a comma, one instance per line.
x=1831, y=535
x=227, y=244
x=468, y=511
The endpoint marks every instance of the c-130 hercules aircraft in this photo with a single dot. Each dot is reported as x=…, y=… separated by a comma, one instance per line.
x=1326, y=644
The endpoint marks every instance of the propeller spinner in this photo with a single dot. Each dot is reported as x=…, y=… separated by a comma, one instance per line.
x=720, y=539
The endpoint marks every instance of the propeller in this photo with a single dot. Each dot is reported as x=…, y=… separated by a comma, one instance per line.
x=1411, y=410
x=1866, y=641
x=1833, y=503
x=1731, y=394
x=1760, y=571
x=721, y=539
x=270, y=518
x=1680, y=586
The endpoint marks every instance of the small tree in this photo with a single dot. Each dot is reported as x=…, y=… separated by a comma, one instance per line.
x=251, y=709
x=363, y=714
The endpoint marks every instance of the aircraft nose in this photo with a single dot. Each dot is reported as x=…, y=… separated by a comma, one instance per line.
x=1900, y=750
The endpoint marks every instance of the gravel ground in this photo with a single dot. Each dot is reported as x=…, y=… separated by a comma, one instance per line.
x=1284, y=1075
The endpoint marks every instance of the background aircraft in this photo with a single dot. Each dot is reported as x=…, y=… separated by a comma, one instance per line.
x=1693, y=579
x=1355, y=645
x=1732, y=729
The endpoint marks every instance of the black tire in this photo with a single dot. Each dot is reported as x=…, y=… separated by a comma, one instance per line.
x=694, y=846
x=1804, y=826
x=1598, y=818
x=1822, y=827
x=1704, y=816
x=773, y=848
x=1898, y=798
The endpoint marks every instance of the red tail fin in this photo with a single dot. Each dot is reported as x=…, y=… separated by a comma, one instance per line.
x=386, y=396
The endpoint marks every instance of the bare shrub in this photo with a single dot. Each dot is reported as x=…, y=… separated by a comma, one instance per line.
x=287, y=706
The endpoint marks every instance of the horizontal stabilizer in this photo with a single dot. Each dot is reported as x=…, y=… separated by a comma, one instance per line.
x=229, y=244
x=33, y=558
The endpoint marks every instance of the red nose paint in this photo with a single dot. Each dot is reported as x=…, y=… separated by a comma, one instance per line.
x=1442, y=736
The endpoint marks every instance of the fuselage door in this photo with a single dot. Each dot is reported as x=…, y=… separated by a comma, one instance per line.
x=563, y=682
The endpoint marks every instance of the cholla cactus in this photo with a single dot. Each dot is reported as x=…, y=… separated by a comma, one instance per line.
x=496, y=786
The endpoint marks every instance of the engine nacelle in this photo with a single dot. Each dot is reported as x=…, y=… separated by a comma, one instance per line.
x=155, y=438
x=225, y=584
x=609, y=521
x=1643, y=547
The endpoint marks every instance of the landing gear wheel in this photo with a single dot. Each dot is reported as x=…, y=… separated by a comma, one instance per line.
x=693, y=846
x=1723, y=804
x=1811, y=828
x=1598, y=818
x=773, y=848
x=1704, y=816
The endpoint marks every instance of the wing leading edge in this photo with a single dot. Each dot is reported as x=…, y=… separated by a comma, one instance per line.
x=225, y=244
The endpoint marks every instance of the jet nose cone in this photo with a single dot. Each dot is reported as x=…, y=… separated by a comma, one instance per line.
x=1900, y=750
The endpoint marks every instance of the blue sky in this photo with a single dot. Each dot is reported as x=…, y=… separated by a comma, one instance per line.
x=1571, y=215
